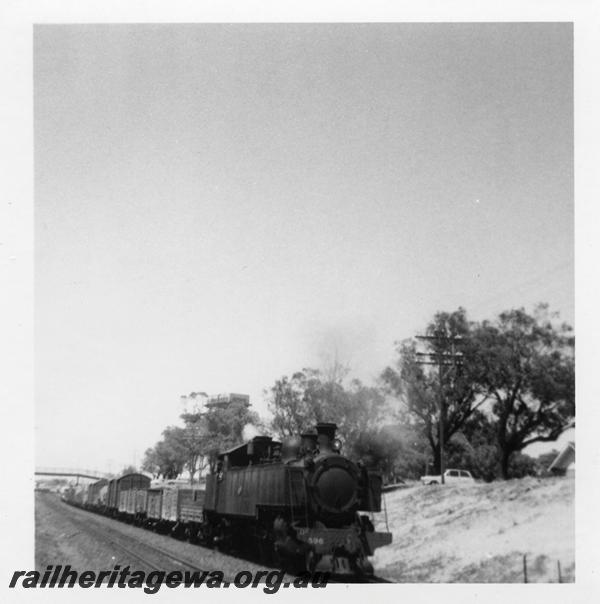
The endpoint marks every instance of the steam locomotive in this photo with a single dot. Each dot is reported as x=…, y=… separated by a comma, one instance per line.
x=299, y=502
x=299, y=499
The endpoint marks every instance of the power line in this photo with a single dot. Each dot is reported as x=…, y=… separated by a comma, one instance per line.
x=526, y=285
x=442, y=359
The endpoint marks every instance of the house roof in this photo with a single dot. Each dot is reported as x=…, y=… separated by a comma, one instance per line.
x=565, y=458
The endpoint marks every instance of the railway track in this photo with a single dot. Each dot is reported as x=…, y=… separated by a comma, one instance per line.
x=133, y=554
x=152, y=557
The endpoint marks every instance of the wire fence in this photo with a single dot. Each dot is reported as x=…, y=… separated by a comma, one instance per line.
x=560, y=578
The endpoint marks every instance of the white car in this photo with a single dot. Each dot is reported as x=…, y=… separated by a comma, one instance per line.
x=450, y=477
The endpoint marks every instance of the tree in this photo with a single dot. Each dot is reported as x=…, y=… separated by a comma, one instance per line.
x=193, y=441
x=218, y=429
x=168, y=457
x=292, y=407
x=418, y=386
x=522, y=465
x=398, y=451
x=526, y=364
x=128, y=470
x=150, y=461
x=309, y=397
x=198, y=442
x=361, y=410
x=380, y=447
x=474, y=447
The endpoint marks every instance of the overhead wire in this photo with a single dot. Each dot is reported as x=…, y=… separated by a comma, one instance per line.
x=525, y=286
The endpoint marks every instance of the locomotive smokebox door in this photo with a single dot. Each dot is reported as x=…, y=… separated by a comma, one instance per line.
x=334, y=485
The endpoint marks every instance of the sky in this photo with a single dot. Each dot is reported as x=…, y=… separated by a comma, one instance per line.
x=220, y=205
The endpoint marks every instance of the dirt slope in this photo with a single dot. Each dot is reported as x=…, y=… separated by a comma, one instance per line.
x=479, y=533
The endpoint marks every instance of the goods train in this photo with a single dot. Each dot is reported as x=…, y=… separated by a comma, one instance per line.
x=299, y=503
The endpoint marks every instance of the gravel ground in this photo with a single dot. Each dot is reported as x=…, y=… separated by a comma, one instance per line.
x=62, y=538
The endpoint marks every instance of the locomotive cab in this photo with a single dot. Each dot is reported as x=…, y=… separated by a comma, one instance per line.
x=259, y=450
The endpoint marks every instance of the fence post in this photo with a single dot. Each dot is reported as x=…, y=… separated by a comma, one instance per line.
x=525, y=568
x=559, y=573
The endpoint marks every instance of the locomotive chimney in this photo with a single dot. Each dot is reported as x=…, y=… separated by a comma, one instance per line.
x=326, y=434
x=309, y=442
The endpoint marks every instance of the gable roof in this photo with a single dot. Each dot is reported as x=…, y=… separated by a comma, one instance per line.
x=565, y=458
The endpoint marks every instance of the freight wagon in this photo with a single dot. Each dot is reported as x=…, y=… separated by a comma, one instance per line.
x=127, y=496
x=96, y=494
x=174, y=509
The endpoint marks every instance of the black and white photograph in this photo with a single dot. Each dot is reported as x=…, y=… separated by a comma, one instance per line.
x=303, y=306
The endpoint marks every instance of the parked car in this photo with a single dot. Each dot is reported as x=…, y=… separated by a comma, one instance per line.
x=450, y=477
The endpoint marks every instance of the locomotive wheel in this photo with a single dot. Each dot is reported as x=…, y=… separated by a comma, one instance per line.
x=222, y=540
x=202, y=535
x=277, y=559
x=189, y=535
x=266, y=550
x=310, y=561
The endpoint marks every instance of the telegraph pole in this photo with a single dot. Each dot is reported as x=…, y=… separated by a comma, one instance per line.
x=441, y=359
